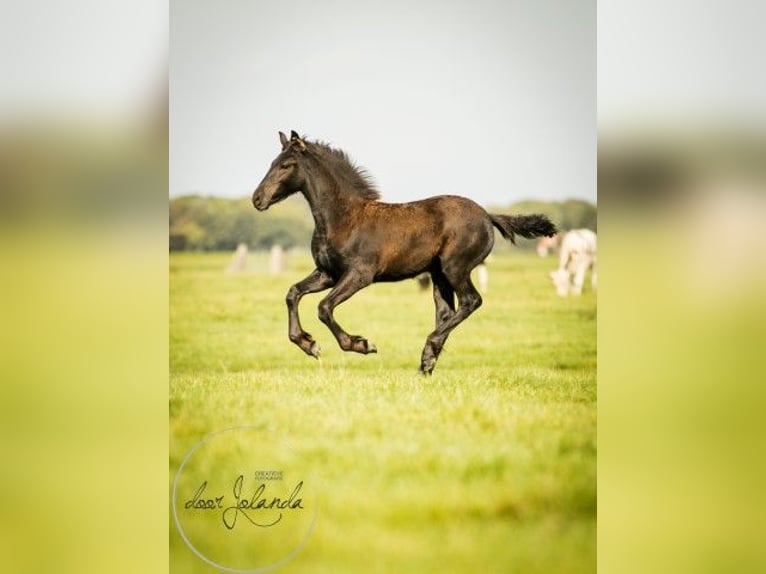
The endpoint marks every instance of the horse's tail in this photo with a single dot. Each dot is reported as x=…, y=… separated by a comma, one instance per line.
x=528, y=226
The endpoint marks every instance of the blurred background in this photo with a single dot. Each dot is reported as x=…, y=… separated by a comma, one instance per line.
x=681, y=181
x=83, y=286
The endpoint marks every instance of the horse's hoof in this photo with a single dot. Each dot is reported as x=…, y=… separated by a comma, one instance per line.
x=315, y=350
x=359, y=345
x=427, y=366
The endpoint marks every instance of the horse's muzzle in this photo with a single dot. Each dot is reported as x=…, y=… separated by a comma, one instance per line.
x=259, y=203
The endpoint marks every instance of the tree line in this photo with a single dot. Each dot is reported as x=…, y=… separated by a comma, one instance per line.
x=200, y=223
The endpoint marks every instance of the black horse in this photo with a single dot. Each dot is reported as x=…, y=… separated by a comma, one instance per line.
x=359, y=240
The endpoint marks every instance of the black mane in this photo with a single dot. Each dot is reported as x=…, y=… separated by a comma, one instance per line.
x=356, y=178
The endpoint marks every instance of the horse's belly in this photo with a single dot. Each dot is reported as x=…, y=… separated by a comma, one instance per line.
x=390, y=276
x=403, y=261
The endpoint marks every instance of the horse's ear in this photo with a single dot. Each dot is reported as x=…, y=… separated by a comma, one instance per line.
x=297, y=141
x=283, y=140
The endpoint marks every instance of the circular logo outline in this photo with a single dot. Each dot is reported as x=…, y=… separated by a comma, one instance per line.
x=260, y=570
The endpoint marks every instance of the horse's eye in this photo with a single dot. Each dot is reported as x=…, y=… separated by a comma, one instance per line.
x=286, y=166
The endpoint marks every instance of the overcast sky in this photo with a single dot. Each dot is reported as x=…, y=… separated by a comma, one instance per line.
x=493, y=100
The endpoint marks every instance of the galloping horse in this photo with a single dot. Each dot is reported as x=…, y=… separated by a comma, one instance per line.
x=359, y=240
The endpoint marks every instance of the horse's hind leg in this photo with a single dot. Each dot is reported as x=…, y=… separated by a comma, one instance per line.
x=315, y=282
x=444, y=296
x=349, y=284
x=469, y=300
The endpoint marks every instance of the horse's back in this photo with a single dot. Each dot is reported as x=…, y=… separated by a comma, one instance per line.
x=450, y=204
x=439, y=213
x=419, y=233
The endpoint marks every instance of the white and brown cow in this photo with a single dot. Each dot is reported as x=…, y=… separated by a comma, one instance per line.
x=578, y=254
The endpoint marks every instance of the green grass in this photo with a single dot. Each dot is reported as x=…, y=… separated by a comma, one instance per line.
x=487, y=466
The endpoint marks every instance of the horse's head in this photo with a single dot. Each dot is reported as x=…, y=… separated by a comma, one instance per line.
x=286, y=174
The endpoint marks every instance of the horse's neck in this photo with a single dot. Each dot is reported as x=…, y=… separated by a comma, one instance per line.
x=329, y=206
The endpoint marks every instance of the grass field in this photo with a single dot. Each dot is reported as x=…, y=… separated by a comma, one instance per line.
x=487, y=466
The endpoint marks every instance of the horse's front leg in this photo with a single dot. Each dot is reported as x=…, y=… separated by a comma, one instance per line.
x=316, y=281
x=349, y=284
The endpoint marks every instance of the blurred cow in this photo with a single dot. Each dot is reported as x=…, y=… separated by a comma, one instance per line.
x=578, y=254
